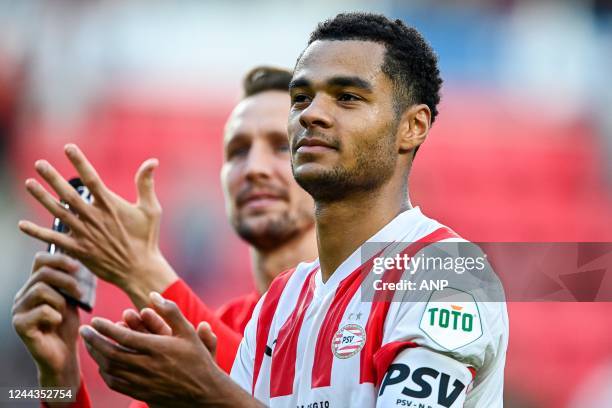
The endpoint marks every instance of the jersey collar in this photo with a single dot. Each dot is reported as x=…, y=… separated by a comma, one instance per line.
x=403, y=227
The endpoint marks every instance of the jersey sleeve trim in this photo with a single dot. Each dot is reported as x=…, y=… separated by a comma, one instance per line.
x=385, y=356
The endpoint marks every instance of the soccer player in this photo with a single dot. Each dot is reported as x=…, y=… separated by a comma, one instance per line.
x=265, y=206
x=364, y=95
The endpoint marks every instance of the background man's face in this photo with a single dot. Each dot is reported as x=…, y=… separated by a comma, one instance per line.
x=265, y=205
x=342, y=121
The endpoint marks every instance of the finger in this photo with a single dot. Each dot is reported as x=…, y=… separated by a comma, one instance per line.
x=115, y=383
x=132, y=321
x=171, y=314
x=64, y=241
x=208, y=337
x=27, y=324
x=40, y=293
x=52, y=205
x=146, y=185
x=94, y=344
x=63, y=189
x=112, y=360
x=60, y=278
x=107, y=353
x=125, y=382
x=55, y=261
x=125, y=337
x=154, y=322
x=115, y=363
x=87, y=172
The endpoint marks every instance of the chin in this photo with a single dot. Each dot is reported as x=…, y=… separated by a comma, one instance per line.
x=255, y=225
x=266, y=232
x=259, y=217
x=310, y=171
x=323, y=183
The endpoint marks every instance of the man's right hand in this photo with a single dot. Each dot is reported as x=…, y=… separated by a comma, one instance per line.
x=47, y=324
x=149, y=321
x=117, y=240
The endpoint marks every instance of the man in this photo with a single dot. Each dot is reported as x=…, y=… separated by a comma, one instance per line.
x=364, y=94
x=264, y=205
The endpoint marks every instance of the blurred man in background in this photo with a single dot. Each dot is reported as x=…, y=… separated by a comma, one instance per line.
x=264, y=204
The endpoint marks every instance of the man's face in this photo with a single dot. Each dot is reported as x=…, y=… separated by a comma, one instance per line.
x=265, y=205
x=342, y=122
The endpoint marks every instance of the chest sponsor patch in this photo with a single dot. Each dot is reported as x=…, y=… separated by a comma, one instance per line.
x=451, y=318
x=348, y=340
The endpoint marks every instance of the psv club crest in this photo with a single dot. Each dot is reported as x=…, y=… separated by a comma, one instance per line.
x=348, y=340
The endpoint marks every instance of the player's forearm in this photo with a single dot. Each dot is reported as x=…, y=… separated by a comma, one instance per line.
x=66, y=379
x=68, y=375
x=78, y=389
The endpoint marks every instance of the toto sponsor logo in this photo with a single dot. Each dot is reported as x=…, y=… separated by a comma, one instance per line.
x=348, y=341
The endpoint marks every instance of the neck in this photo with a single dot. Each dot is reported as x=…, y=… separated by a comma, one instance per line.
x=343, y=226
x=267, y=264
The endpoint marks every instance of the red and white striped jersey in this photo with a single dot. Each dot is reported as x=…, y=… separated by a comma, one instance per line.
x=315, y=344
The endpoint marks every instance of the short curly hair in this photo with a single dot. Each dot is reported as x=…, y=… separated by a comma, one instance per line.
x=409, y=60
x=265, y=78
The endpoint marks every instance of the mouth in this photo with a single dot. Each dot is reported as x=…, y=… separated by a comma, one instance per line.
x=258, y=200
x=313, y=145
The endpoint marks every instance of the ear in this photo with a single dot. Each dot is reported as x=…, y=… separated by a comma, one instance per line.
x=414, y=127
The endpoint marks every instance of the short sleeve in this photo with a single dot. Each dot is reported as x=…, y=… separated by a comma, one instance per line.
x=464, y=319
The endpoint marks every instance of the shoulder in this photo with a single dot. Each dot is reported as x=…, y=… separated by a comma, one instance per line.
x=289, y=280
x=456, y=304
x=245, y=301
x=237, y=312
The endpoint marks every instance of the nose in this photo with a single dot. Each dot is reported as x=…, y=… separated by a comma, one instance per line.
x=316, y=114
x=259, y=163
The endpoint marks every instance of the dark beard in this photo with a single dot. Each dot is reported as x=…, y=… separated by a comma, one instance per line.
x=276, y=232
x=374, y=166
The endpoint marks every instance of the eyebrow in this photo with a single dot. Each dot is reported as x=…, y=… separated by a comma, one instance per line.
x=339, y=81
x=235, y=138
x=244, y=137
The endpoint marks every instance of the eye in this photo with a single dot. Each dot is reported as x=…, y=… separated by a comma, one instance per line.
x=236, y=152
x=348, y=97
x=282, y=147
x=300, y=98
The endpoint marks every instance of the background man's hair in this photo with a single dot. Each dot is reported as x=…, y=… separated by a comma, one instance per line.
x=264, y=78
x=409, y=60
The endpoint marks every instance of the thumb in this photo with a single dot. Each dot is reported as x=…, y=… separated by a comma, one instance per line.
x=169, y=311
x=145, y=184
x=208, y=337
